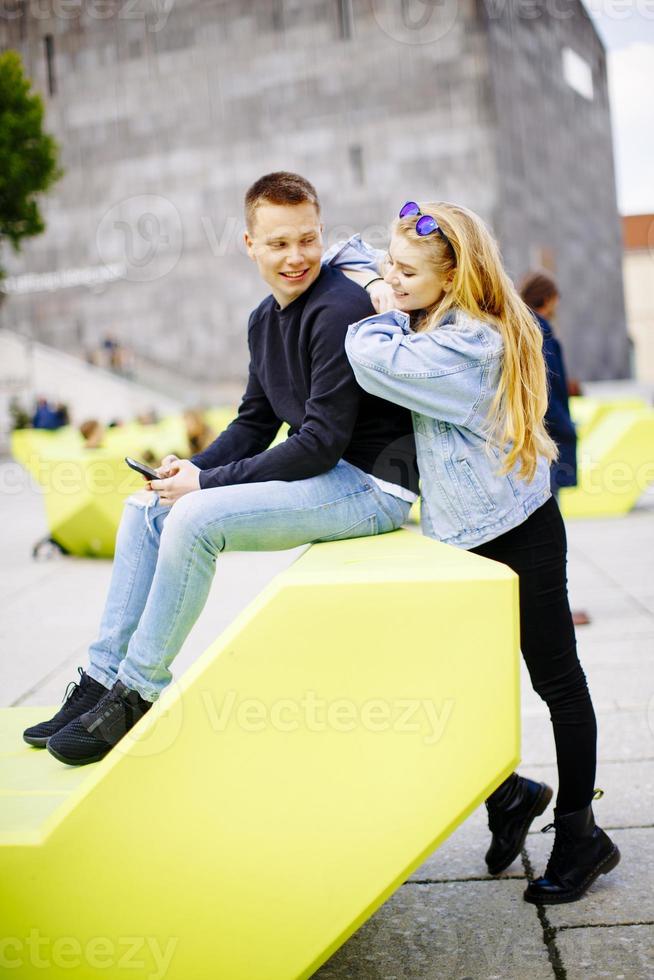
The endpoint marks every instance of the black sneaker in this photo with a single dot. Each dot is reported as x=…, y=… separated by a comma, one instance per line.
x=89, y=737
x=78, y=699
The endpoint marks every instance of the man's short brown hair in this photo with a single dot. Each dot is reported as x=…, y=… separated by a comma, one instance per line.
x=280, y=187
x=537, y=288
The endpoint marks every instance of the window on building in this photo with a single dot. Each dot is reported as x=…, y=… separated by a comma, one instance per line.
x=578, y=73
x=278, y=15
x=345, y=18
x=356, y=163
x=48, y=41
x=21, y=6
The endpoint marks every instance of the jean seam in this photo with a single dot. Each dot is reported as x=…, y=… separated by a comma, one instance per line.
x=371, y=519
x=128, y=592
x=178, y=607
x=288, y=510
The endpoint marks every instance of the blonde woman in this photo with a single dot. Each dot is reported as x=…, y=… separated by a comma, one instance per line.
x=453, y=342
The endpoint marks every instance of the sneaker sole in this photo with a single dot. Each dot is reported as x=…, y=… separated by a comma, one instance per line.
x=540, y=805
x=608, y=864
x=76, y=762
x=39, y=742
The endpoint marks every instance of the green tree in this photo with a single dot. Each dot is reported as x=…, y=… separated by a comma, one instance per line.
x=28, y=156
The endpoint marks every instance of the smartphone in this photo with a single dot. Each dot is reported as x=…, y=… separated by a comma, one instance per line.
x=141, y=468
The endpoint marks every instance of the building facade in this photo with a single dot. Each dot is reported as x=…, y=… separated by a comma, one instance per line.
x=166, y=110
x=638, y=271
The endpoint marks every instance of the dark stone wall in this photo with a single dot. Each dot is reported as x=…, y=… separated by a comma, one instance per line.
x=167, y=111
x=557, y=199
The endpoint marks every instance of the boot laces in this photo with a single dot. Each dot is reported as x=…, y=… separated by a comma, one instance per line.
x=563, y=846
x=74, y=689
x=597, y=795
x=564, y=841
x=109, y=700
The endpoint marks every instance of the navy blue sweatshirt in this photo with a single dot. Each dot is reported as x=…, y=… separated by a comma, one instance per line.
x=558, y=421
x=299, y=374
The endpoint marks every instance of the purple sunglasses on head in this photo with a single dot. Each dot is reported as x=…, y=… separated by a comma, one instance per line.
x=425, y=224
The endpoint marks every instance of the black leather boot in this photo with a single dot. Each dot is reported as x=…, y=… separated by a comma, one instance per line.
x=511, y=809
x=581, y=852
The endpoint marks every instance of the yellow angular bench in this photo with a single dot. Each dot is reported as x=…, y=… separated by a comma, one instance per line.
x=84, y=494
x=615, y=465
x=28, y=445
x=278, y=793
x=84, y=489
x=588, y=411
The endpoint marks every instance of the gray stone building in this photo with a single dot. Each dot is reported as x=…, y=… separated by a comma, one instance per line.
x=166, y=110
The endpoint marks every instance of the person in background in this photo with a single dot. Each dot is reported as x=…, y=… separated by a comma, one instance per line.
x=93, y=433
x=199, y=433
x=540, y=293
x=47, y=416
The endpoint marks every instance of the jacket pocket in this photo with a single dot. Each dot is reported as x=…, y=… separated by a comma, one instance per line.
x=476, y=486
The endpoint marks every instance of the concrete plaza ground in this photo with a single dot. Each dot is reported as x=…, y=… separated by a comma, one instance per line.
x=449, y=921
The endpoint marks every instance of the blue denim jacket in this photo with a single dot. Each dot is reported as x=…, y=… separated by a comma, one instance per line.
x=447, y=377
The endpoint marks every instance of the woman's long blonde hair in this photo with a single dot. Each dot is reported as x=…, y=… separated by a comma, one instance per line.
x=481, y=288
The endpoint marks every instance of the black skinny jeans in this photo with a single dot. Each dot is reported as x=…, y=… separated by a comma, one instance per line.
x=536, y=550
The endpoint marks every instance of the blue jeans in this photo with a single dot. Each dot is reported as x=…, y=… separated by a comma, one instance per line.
x=165, y=558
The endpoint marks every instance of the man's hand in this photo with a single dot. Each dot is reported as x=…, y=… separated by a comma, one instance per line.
x=166, y=467
x=381, y=296
x=185, y=479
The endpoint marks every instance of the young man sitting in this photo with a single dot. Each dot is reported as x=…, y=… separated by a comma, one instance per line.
x=347, y=469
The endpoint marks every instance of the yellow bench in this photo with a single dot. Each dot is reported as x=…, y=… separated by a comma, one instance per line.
x=28, y=445
x=278, y=793
x=84, y=489
x=83, y=494
x=615, y=465
x=587, y=411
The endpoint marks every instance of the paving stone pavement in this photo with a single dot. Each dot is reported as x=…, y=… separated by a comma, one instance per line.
x=450, y=920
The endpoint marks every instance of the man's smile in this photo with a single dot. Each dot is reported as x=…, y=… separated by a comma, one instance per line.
x=295, y=276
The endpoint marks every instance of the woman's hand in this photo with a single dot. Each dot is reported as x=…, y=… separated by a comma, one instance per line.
x=381, y=296
x=186, y=479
